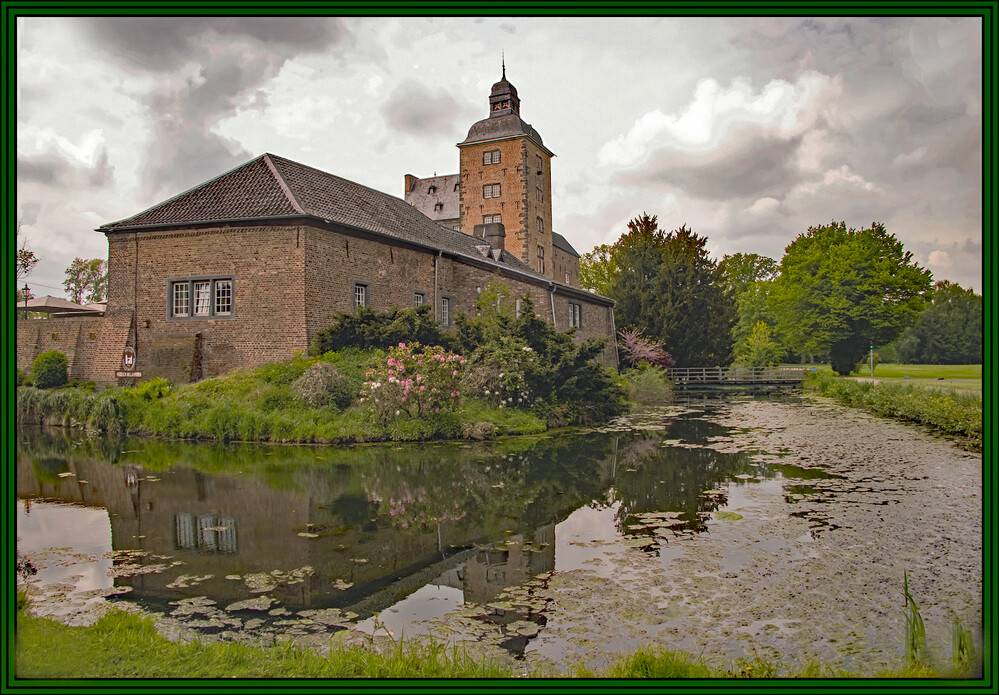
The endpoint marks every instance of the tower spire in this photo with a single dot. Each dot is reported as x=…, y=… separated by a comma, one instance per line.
x=503, y=60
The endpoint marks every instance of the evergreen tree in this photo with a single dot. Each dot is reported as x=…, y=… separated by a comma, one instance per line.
x=667, y=287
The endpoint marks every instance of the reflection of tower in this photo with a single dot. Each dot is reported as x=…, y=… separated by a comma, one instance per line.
x=132, y=473
x=517, y=561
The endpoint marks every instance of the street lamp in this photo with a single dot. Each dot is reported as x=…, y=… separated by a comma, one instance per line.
x=26, y=291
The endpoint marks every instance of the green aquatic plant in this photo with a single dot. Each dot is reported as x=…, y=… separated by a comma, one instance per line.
x=915, y=631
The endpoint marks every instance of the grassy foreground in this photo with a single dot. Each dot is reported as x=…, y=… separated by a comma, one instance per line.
x=122, y=645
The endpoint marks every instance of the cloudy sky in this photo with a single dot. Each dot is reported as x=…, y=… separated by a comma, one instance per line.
x=748, y=130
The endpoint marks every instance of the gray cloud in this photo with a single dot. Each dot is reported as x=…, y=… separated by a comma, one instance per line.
x=29, y=212
x=164, y=43
x=752, y=167
x=419, y=110
x=53, y=170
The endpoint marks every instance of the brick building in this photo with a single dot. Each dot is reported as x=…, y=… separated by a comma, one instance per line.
x=246, y=268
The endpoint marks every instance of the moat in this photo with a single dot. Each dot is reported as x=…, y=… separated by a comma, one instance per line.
x=742, y=528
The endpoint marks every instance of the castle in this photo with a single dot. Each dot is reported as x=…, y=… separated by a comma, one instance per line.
x=246, y=268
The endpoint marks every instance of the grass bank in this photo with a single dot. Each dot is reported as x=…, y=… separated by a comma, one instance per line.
x=122, y=645
x=952, y=413
x=265, y=404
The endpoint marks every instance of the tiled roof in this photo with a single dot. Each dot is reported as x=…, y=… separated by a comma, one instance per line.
x=560, y=242
x=273, y=187
x=510, y=125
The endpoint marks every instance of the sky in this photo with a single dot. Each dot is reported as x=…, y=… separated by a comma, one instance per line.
x=747, y=130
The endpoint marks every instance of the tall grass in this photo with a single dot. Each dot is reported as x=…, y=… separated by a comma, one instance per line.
x=957, y=414
x=257, y=405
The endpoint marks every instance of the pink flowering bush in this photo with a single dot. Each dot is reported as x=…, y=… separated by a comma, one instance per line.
x=637, y=349
x=414, y=380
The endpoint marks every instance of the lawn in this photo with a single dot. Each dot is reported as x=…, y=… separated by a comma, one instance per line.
x=963, y=377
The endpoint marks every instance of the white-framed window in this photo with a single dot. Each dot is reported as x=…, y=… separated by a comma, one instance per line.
x=541, y=225
x=575, y=314
x=446, y=311
x=488, y=219
x=360, y=295
x=181, y=299
x=201, y=298
x=541, y=259
x=539, y=163
x=491, y=190
x=540, y=194
x=223, y=297
x=418, y=298
x=491, y=157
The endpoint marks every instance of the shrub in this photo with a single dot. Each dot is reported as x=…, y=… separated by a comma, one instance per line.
x=50, y=369
x=21, y=379
x=415, y=380
x=152, y=389
x=647, y=385
x=635, y=349
x=322, y=384
x=367, y=328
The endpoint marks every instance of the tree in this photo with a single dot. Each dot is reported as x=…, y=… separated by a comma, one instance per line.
x=760, y=349
x=747, y=278
x=739, y=271
x=26, y=258
x=949, y=331
x=841, y=290
x=667, y=287
x=86, y=280
x=597, y=269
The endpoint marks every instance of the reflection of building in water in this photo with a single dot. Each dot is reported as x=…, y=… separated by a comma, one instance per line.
x=492, y=570
x=205, y=532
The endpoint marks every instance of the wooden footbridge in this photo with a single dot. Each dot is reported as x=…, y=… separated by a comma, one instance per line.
x=714, y=377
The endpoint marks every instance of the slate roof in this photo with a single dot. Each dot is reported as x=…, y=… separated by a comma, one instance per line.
x=560, y=242
x=499, y=127
x=274, y=187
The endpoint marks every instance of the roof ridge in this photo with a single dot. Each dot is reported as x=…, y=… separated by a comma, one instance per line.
x=192, y=189
x=281, y=182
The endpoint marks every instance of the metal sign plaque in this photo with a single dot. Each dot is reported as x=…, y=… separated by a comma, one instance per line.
x=128, y=359
x=128, y=375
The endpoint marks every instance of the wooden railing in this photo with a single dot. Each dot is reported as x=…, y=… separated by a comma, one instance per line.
x=736, y=375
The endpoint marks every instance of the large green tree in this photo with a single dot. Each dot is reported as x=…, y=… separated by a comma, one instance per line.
x=597, y=269
x=86, y=280
x=841, y=290
x=667, y=286
x=949, y=331
x=747, y=278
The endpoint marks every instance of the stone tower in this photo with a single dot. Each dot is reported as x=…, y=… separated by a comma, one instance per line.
x=505, y=177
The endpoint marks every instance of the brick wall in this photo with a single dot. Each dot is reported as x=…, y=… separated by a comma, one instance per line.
x=92, y=345
x=288, y=284
x=566, y=267
x=268, y=320
x=517, y=174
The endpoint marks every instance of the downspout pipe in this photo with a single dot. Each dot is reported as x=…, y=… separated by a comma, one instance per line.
x=551, y=290
x=437, y=304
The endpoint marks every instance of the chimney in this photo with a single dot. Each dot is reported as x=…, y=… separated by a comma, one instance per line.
x=493, y=232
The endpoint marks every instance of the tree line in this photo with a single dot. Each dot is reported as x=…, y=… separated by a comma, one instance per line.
x=836, y=293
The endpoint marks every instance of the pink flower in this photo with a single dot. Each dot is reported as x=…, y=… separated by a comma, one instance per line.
x=402, y=345
x=454, y=373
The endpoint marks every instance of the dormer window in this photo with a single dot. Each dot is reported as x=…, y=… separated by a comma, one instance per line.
x=457, y=186
x=438, y=206
x=432, y=189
